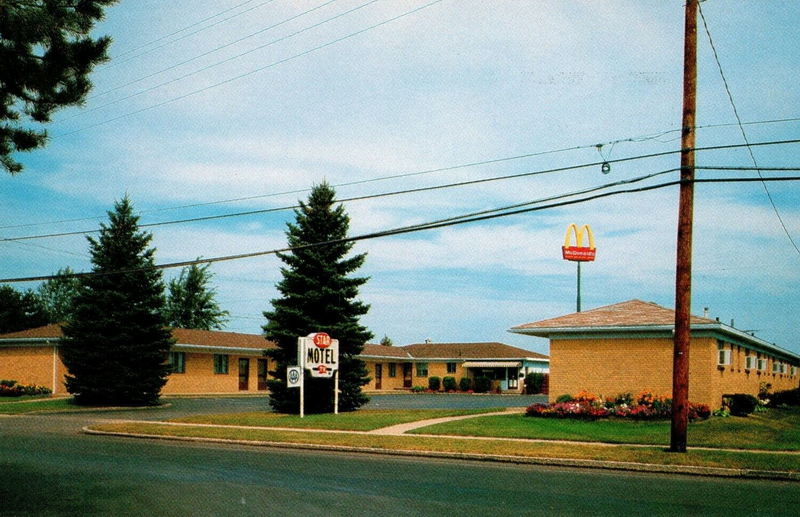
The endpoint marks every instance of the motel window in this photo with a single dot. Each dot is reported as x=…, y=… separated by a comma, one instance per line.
x=221, y=363
x=451, y=367
x=392, y=369
x=794, y=371
x=422, y=369
x=778, y=367
x=762, y=363
x=724, y=356
x=751, y=362
x=177, y=362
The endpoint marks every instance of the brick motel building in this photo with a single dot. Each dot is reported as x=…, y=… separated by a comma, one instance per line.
x=214, y=362
x=628, y=348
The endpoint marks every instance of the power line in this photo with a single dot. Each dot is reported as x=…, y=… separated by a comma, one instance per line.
x=424, y=189
x=226, y=60
x=216, y=49
x=251, y=72
x=636, y=139
x=116, y=62
x=453, y=221
x=744, y=134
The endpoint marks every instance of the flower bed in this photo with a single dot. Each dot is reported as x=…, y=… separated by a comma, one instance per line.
x=587, y=406
x=12, y=389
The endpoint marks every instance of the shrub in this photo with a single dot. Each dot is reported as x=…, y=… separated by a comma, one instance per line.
x=483, y=384
x=449, y=384
x=417, y=389
x=533, y=383
x=465, y=384
x=740, y=404
x=698, y=412
x=12, y=389
x=563, y=398
x=434, y=383
x=787, y=397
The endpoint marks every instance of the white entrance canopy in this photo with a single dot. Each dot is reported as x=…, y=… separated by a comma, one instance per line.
x=492, y=364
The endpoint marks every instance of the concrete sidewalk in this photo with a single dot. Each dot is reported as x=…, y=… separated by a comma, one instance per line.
x=399, y=429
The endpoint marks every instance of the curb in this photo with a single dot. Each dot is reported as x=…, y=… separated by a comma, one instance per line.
x=519, y=460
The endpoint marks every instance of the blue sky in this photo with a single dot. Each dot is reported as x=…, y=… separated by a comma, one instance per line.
x=208, y=101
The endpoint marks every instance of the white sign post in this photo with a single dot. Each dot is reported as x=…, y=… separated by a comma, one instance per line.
x=319, y=354
x=294, y=379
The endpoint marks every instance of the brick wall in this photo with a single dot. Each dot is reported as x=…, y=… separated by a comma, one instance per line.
x=609, y=367
x=199, y=376
x=31, y=365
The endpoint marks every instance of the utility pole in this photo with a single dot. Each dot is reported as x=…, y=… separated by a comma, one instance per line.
x=683, y=269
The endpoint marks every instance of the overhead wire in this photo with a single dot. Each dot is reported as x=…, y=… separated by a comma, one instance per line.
x=209, y=52
x=420, y=189
x=443, y=223
x=228, y=59
x=636, y=139
x=744, y=134
x=118, y=62
x=250, y=72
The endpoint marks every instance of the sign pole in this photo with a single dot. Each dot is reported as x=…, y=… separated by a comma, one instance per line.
x=579, y=287
x=301, y=360
x=336, y=392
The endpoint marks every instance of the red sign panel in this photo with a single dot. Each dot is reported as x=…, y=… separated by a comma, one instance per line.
x=578, y=254
x=322, y=340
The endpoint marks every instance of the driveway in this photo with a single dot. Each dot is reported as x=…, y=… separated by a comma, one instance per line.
x=451, y=401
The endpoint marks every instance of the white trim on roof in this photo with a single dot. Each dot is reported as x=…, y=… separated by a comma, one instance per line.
x=29, y=341
x=492, y=364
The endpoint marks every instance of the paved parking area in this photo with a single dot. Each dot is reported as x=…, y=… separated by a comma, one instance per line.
x=451, y=401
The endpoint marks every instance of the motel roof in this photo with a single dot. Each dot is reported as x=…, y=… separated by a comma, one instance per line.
x=636, y=318
x=372, y=351
x=215, y=341
x=490, y=350
x=184, y=338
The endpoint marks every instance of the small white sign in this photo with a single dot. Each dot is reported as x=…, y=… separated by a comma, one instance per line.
x=294, y=376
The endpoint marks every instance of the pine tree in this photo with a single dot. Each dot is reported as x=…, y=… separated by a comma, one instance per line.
x=46, y=56
x=318, y=295
x=20, y=311
x=58, y=295
x=116, y=343
x=191, y=303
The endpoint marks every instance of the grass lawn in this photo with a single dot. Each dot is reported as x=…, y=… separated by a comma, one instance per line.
x=21, y=405
x=775, y=429
x=650, y=455
x=364, y=420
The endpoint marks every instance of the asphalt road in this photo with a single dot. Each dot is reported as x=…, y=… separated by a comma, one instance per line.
x=47, y=467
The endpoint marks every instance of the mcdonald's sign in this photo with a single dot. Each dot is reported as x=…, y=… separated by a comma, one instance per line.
x=579, y=252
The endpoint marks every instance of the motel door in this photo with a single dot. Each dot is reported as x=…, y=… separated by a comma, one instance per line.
x=244, y=374
x=262, y=374
x=378, y=376
x=407, y=380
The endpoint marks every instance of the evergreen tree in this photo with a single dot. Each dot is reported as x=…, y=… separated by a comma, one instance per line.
x=116, y=343
x=317, y=295
x=191, y=303
x=58, y=295
x=46, y=56
x=20, y=311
